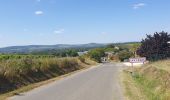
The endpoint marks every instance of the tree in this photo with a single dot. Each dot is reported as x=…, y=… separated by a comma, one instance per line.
x=124, y=54
x=96, y=54
x=134, y=48
x=72, y=53
x=155, y=47
x=111, y=46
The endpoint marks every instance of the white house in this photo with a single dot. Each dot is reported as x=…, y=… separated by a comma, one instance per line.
x=82, y=53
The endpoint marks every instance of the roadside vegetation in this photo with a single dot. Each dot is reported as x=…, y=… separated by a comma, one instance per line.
x=96, y=54
x=19, y=72
x=149, y=82
x=152, y=80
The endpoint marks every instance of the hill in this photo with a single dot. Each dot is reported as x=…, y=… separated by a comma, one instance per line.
x=41, y=48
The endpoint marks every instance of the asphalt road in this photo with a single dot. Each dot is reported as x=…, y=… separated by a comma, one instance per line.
x=96, y=83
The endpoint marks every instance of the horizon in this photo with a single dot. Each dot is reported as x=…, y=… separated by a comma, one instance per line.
x=67, y=44
x=51, y=22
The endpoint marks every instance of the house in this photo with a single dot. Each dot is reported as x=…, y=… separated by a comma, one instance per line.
x=109, y=54
x=82, y=53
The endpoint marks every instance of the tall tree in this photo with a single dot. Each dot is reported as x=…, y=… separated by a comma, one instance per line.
x=155, y=47
x=96, y=54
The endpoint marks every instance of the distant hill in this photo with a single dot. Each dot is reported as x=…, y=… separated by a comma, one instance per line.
x=40, y=48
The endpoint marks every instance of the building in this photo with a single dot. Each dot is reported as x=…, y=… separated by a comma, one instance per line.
x=82, y=53
x=109, y=54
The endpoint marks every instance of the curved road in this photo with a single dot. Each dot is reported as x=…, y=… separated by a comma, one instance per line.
x=96, y=83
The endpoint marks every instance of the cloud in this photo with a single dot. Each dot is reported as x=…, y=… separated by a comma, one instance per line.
x=59, y=31
x=39, y=12
x=138, y=5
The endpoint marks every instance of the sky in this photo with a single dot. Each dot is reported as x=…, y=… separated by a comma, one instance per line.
x=48, y=22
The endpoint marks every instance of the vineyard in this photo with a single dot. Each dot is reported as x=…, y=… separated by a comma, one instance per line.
x=21, y=56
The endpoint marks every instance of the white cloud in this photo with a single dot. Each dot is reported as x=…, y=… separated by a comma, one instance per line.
x=59, y=31
x=39, y=12
x=138, y=5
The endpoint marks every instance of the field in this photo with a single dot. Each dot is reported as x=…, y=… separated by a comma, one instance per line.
x=151, y=82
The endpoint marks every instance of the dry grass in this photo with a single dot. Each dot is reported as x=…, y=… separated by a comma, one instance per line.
x=131, y=90
x=35, y=85
x=17, y=73
x=38, y=84
x=163, y=64
x=151, y=80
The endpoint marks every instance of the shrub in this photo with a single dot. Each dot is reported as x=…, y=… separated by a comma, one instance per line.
x=82, y=59
x=96, y=54
x=24, y=65
x=124, y=55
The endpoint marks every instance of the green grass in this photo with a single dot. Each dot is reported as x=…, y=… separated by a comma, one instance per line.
x=148, y=87
x=152, y=81
x=131, y=89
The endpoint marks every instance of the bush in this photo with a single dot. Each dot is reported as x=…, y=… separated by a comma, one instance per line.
x=155, y=47
x=124, y=55
x=96, y=54
x=82, y=59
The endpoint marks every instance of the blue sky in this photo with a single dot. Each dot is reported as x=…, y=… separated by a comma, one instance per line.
x=27, y=22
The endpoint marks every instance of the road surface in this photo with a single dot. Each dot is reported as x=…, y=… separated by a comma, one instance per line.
x=96, y=83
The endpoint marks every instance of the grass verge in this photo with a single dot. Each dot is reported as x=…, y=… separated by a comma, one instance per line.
x=131, y=89
x=151, y=82
x=31, y=86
